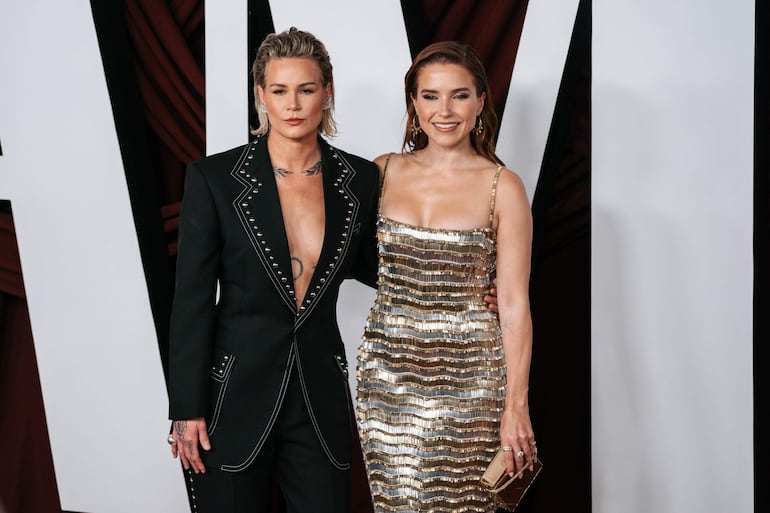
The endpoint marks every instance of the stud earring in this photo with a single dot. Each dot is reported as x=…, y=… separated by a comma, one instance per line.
x=479, y=127
x=263, y=108
x=415, y=128
x=327, y=103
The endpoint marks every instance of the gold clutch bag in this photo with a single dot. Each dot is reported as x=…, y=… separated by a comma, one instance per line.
x=506, y=490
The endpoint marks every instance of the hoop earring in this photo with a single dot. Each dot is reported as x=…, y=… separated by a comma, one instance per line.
x=479, y=127
x=415, y=128
x=327, y=103
x=263, y=108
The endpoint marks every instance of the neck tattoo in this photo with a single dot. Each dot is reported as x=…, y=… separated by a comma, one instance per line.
x=312, y=170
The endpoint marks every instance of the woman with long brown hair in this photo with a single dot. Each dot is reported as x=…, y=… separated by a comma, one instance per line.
x=442, y=382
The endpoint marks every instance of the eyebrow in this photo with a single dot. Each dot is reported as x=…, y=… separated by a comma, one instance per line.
x=304, y=84
x=460, y=90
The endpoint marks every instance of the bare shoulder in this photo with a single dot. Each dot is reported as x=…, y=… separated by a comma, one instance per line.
x=393, y=160
x=385, y=157
x=380, y=161
x=512, y=208
x=510, y=185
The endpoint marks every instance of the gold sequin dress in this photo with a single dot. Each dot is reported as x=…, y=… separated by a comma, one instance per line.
x=431, y=370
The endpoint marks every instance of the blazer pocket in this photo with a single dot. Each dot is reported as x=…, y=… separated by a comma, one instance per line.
x=220, y=373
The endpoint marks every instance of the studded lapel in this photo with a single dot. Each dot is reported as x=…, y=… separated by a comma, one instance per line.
x=341, y=211
x=259, y=210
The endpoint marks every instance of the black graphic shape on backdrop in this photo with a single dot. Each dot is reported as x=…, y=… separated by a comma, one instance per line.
x=761, y=256
x=491, y=27
x=560, y=396
x=260, y=24
x=127, y=110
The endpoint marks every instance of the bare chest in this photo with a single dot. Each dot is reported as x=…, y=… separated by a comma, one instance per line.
x=302, y=209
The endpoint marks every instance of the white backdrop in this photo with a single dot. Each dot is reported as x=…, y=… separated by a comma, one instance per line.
x=672, y=256
x=97, y=352
x=671, y=234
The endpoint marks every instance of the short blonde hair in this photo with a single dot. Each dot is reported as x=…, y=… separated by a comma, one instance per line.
x=288, y=44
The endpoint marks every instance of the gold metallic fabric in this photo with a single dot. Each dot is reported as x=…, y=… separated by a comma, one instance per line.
x=431, y=371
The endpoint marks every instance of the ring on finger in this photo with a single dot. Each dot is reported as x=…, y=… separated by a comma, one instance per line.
x=520, y=454
x=507, y=448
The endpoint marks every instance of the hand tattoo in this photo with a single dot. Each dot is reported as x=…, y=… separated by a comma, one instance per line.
x=181, y=427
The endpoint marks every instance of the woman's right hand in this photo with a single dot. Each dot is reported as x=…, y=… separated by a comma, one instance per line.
x=189, y=435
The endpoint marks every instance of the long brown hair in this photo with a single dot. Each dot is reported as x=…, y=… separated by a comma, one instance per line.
x=453, y=52
x=294, y=43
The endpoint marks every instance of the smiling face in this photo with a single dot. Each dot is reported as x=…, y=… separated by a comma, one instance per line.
x=294, y=95
x=446, y=103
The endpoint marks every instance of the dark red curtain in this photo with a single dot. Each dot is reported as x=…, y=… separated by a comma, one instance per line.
x=491, y=27
x=27, y=480
x=167, y=41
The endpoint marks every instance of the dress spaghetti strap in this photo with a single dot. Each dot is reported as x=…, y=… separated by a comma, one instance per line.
x=382, y=183
x=494, y=195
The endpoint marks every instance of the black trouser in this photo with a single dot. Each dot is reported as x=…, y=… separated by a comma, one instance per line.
x=293, y=455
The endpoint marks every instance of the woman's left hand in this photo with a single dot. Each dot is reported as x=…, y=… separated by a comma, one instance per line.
x=516, y=433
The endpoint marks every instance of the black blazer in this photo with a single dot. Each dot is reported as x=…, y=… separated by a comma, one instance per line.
x=230, y=358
